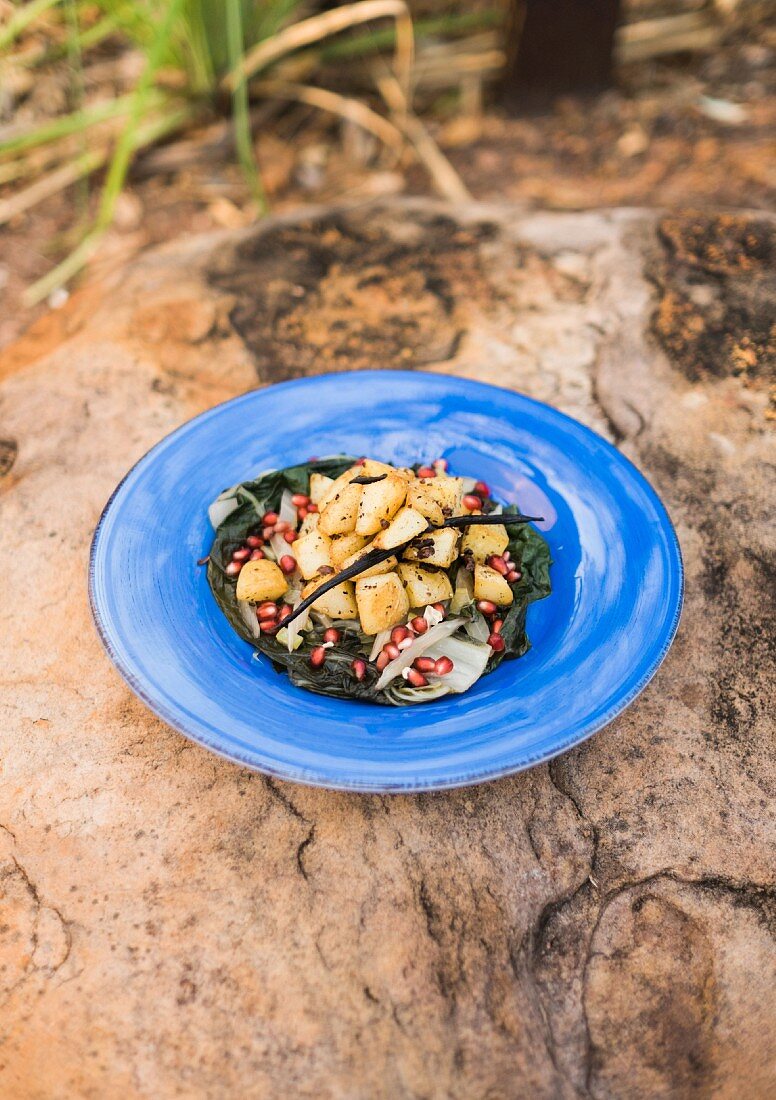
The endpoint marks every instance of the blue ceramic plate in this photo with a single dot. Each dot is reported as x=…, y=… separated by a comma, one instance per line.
x=597, y=640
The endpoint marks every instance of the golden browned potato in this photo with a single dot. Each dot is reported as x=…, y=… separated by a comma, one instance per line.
x=421, y=497
x=405, y=525
x=434, y=548
x=484, y=541
x=309, y=523
x=382, y=602
x=260, y=580
x=371, y=468
x=320, y=484
x=375, y=571
x=339, y=514
x=312, y=552
x=379, y=503
x=337, y=603
x=424, y=586
x=337, y=486
x=344, y=546
x=490, y=585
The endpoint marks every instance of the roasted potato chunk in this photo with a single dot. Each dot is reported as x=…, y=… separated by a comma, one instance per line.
x=345, y=546
x=337, y=603
x=312, y=552
x=339, y=514
x=260, y=580
x=379, y=503
x=482, y=542
x=309, y=523
x=375, y=571
x=490, y=585
x=336, y=486
x=371, y=468
x=436, y=497
x=382, y=602
x=434, y=548
x=424, y=586
x=405, y=525
x=319, y=487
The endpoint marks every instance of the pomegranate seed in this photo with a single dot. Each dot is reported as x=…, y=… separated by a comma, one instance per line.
x=417, y=679
x=254, y=542
x=487, y=607
x=281, y=526
x=302, y=514
x=331, y=635
x=405, y=644
x=312, y=508
x=440, y=607
x=270, y=519
x=506, y=555
x=267, y=610
x=497, y=563
x=442, y=464
x=424, y=664
x=268, y=626
x=444, y=666
x=256, y=555
x=497, y=625
x=359, y=668
x=471, y=502
x=267, y=533
x=287, y=564
x=284, y=612
x=513, y=575
x=399, y=633
x=359, y=462
x=233, y=568
x=495, y=641
x=300, y=500
x=290, y=536
x=241, y=555
x=419, y=625
x=426, y=471
x=392, y=650
x=382, y=660
x=482, y=489
x=317, y=656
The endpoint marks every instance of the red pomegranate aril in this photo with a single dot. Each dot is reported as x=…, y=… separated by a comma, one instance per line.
x=442, y=464
x=317, y=656
x=495, y=641
x=513, y=575
x=440, y=607
x=256, y=555
x=443, y=666
x=471, y=503
x=268, y=626
x=498, y=563
x=233, y=568
x=487, y=607
x=426, y=471
x=419, y=625
x=284, y=612
x=382, y=660
x=267, y=533
x=270, y=519
x=506, y=556
x=241, y=555
x=267, y=610
x=392, y=650
x=254, y=542
x=417, y=679
x=281, y=526
x=287, y=564
x=300, y=500
x=331, y=635
x=482, y=489
x=399, y=633
x=301, y=514
x=497, y=625
x=424, y=664
x=312, y=508
x=290, y=536
x=359, y=462
x=359, y=668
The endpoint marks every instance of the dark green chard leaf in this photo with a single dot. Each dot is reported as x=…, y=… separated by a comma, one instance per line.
x=335, y=677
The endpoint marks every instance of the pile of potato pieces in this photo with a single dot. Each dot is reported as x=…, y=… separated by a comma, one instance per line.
x=353, y=519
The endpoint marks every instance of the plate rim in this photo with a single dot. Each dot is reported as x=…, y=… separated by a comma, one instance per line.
x=318, y=778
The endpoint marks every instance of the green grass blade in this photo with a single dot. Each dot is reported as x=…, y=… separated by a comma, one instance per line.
x=22, y=18
x=241, y=115
x=66, y=125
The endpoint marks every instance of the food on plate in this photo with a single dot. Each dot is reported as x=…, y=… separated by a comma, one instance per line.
x=388, y=584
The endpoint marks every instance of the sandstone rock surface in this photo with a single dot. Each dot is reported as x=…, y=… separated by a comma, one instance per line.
x=174, y=926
